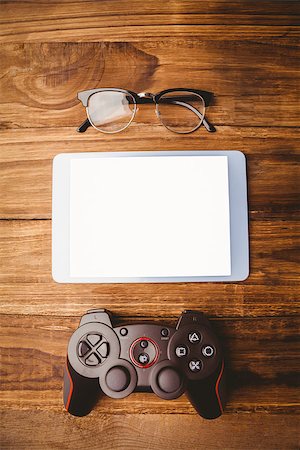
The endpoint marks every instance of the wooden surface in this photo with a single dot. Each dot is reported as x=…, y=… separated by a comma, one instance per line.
x=247, y=53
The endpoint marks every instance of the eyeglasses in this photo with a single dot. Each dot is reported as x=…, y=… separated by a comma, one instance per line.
x=112, y=110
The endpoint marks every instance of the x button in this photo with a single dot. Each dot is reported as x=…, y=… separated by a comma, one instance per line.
x=195, y=365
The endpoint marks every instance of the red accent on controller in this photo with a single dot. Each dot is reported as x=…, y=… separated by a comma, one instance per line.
x=71, y=387
x=217, y=386
x=142, y=366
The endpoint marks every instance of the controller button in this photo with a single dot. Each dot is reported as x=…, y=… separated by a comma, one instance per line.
x=181, y=351
x=103, y=349
x=83, y=348
x=164, y=332
x=137, y=355
x=92, y=360
x=144, y=344
x=194, y=337
x=117, y=378
x=123, y=332
x=195, y=365
x=143, y=358
x=94, y=339
x=208, y=351
x=169, y=380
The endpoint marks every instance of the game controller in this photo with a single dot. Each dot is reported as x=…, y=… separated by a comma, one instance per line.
x=168, y=361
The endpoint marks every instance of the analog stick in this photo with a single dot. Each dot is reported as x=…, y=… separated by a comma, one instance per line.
x=117, y=378
x=169, y=380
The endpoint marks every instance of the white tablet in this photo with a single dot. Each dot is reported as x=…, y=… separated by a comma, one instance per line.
x=168, y=216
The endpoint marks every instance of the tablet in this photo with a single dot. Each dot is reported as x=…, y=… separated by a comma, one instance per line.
x=164, y=216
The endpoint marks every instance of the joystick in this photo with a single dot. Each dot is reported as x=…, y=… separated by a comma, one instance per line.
x=103, y=359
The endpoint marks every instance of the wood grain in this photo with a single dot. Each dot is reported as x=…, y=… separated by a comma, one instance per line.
x=26, y=258
x=247, y=53
x=273, y=179
x=242, y=76
x=71, y=30
x=34, y=356
x=169, y=12
x=149, y=431
x=124, y=21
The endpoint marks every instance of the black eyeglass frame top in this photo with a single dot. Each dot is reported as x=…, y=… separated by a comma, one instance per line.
x=147, y=97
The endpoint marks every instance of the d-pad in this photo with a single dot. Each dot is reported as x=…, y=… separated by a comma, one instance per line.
x=93, y=349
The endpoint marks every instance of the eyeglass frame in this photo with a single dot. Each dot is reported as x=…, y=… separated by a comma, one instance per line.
x=142, y=98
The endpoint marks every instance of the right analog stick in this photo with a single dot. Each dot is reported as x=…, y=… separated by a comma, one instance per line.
x=169, y=380
x=117, y=378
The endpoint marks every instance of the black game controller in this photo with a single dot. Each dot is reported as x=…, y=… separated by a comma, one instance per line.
x=144, y=357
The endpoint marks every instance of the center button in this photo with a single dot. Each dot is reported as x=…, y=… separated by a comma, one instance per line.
x=144, y=344
x=144, y=352
x=144, y=358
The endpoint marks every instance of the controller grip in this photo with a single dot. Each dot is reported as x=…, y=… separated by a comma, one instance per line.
x=80, y=393
x=208, y=396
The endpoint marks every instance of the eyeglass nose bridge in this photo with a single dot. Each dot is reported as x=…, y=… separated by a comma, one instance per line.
x=146, y=95
x=152, y=97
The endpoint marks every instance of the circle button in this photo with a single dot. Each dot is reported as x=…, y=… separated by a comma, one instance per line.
x=117, y=378
x=169, y=380
x=208, y=351
x=123, y=332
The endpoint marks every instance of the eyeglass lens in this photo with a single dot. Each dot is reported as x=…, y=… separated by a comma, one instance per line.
x=181, y=111
x=111, y=111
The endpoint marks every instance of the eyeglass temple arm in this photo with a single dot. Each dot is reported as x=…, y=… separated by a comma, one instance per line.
x=84, y=126
x=208, y=126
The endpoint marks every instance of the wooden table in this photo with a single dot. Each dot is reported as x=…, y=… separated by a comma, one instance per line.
x=246, y=52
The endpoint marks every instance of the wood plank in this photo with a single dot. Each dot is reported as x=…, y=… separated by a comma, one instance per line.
x=250, y=431
x=41, y=81
x=158, y=300
x=23, y=21
x=271, y=289
x=184, y=12
x=56, y=64
x=93, y=29
x=261, y=358
x=32, y=144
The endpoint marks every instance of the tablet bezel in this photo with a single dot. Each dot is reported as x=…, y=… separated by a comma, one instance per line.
x=239, y=244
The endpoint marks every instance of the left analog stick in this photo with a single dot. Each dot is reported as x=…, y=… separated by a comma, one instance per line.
x=117, y=378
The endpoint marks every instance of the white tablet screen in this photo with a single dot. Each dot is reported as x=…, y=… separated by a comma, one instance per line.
x=156, y=216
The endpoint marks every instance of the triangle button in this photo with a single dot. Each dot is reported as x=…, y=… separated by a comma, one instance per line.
x=194, y=337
